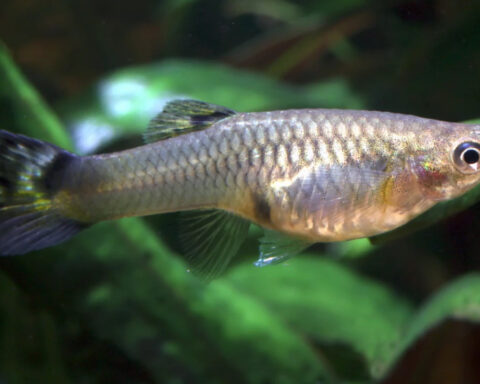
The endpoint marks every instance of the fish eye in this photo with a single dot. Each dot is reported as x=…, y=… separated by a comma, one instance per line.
x=466, y=157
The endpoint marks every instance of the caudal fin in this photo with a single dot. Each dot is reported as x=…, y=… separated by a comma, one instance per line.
x=30, y=175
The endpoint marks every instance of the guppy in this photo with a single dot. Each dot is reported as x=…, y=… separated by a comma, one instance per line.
x=316, y=175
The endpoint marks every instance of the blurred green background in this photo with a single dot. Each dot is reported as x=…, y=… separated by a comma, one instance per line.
x=117, y=303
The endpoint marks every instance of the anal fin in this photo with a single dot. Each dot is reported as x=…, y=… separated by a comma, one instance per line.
x=211, y=238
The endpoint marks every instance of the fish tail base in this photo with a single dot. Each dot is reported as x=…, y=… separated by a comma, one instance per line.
x=31, y=173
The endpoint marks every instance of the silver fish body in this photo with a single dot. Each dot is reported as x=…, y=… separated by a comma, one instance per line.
x=316, y=174
x=325, y=175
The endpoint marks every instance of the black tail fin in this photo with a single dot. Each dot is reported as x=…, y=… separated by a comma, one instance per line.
x=30, y=174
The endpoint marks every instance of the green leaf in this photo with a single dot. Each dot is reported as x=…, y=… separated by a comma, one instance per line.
x=328, y=303
x=459, y=300
x=145, y=302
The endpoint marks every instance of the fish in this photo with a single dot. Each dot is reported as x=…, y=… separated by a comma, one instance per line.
x=303, y=175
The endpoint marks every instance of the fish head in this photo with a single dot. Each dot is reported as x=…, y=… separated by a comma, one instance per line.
x=449, y=163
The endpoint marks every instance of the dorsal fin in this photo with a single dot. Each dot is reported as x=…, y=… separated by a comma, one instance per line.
x=184, y=116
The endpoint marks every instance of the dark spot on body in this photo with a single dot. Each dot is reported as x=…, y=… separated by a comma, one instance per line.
x=262, y=209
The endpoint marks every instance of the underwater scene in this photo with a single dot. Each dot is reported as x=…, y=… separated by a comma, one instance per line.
x=213, y=191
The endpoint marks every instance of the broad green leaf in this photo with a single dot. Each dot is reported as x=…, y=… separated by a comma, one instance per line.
x=458, y=300
x=329, y=303
x=129, y=290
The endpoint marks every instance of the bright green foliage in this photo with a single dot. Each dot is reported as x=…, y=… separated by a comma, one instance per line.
x=157, y=312
x=330, y=304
